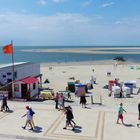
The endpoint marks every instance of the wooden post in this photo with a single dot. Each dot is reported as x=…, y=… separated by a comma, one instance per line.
x=100, y=100
x=92, y=99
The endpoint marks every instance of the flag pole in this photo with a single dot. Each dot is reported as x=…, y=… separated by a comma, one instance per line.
x=13, y=67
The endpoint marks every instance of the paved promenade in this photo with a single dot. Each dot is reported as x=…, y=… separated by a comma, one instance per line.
x=93, y=123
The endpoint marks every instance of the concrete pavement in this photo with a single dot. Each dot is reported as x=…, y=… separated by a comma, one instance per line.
x=93, y=123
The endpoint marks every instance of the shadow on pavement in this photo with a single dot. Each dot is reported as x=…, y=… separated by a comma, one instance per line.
x=9, y=111
x=37, y=129
x=129, y=125
x=87, y=107
x=78, y=129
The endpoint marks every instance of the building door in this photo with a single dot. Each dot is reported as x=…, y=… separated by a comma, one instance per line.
x=24, y=92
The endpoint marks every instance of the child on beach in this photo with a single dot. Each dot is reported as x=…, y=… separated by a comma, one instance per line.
x=120, y=113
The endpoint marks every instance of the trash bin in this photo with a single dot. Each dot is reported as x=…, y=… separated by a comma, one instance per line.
x=130, y=85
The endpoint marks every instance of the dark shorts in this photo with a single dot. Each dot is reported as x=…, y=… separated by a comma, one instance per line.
x=120, y=116
x=139, y=118
x=68, y=121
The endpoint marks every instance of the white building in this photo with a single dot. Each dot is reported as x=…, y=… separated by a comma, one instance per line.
x=21, y=70
x=25, y=83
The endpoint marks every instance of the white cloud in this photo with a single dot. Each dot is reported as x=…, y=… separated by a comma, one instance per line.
x=118, y=22
x=41, y=29
x=129, y=21
x=107, y=4
x=42, y=2
x=86, y=3
x=58, y=1
x=66, y=28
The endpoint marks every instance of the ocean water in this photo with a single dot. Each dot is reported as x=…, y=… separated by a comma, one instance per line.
x=43, y=57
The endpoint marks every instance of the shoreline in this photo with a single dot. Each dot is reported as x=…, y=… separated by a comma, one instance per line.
x=97, y=62
x=82, y=63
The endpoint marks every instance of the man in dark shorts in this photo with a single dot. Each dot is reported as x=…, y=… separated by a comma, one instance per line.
x=69, y=117
x=83, y=100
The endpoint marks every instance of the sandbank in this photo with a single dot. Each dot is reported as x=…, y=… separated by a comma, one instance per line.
x=119, y=50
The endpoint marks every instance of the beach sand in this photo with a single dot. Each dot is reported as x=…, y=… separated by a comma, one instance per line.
x=61, y=72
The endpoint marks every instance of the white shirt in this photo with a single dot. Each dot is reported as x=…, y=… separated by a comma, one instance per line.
x=28, y=116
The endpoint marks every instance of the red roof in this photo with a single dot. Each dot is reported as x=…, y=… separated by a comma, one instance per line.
x=29, y=80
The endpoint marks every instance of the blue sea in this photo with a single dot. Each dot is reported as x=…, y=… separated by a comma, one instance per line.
x=43, y=57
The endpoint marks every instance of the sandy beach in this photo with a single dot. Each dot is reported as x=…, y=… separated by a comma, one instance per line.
x=61, y=72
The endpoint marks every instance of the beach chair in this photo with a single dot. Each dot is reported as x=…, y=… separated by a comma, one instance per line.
x=126, y=92
x=137, y=68
x=108, y=73
x=46, y=81
x=71, y=86
x=131, y=67
x=116, y=91
x=46, y=94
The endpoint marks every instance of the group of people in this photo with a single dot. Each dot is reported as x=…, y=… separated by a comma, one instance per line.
x=60, y=105
x=59, y=101
x=69, y=117
x=29, y=113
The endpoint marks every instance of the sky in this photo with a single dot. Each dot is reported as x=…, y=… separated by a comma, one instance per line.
x=70, y=22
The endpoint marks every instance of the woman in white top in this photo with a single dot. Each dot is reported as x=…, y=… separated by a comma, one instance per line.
x=28, y=118
x=61, y=101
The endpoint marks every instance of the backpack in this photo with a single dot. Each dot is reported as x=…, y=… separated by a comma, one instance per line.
x=31, y=112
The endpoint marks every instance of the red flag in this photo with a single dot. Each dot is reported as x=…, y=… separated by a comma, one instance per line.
x=7, y=49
